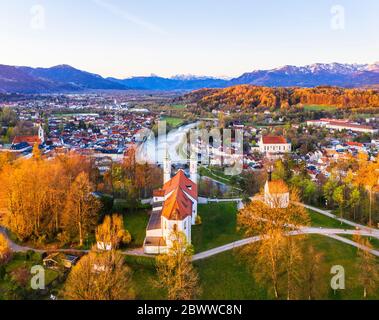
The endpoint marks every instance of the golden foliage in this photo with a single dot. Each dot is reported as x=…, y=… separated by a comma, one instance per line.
x=112, y=231
x=247, y=97
x=175, y=271
x=81, y=211
x=5, y=252
x=100, y=276
x=33, y=194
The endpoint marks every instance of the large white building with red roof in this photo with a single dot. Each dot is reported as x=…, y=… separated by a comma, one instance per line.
x=342, y=124
x=274, y=145
x=174, y=209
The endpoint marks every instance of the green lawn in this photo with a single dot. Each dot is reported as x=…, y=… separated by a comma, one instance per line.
x=173, y=122
x=373, y=241
x=143, y=276
x=319, y=107
x=319, y=220
x=218, y=175
x=219, y=226
x=226, y=276
x=136, y=222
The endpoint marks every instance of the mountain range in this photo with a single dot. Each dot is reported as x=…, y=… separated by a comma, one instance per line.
x=64, y=78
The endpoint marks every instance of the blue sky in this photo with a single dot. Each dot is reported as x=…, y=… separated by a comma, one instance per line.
x=124, y=38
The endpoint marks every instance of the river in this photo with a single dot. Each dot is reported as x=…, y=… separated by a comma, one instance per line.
x=154, y=150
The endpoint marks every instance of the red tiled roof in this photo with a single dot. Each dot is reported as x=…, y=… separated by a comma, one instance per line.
x=274, y=140
x=182, y=182
x=28, y=139
x=355, y=144
x=177, y=206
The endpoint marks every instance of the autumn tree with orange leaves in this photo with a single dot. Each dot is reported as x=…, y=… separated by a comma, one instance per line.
x=80, y=214
x=113, y=232
x=35, y=192
x=100, y=276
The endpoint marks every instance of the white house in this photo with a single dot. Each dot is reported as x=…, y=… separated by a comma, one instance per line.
x=276, y=194
x=342, y=124
x=174, y=209
x=274, y=145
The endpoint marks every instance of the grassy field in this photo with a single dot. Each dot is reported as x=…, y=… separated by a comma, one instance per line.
x=227, y=277
x=179, y=106
x=219, y=226
x=319, y=107
x=173, y=122
x=373, y=241
x=319, y=220
x=136, y=223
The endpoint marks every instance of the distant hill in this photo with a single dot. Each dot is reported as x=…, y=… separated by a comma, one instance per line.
x=247, y=98
x=66, y=78
x=13, y=79
x=75, y=77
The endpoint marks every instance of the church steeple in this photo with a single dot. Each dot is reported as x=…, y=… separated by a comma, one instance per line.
x=193, y=167
x=166, y=168
x=41, y=134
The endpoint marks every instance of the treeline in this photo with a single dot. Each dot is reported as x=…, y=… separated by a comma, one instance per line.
x=246, y=97
x=351, y=189
x=48, y=199
x=62, y=199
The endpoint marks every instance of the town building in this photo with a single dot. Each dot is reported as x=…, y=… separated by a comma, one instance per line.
x=174, y=209
x=340, y=125
x=274, y=145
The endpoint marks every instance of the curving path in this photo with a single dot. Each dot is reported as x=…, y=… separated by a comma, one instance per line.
x=331, y=233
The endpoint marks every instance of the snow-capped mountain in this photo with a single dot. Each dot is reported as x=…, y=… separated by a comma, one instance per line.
x=333, y=74
x=67, y=78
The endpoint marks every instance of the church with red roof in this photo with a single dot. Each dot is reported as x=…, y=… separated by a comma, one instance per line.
x=174, y=209
x=274, y=145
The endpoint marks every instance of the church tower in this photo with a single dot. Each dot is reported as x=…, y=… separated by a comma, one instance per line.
x=166, y=168
x=41, y=134
x=193, y=167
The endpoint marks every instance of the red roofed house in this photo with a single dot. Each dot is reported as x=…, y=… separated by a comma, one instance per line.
x=174, y=209
x=31, y=140
x=356, y=146
x=274, y=145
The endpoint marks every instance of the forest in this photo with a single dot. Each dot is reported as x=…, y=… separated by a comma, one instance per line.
x=246, y=97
